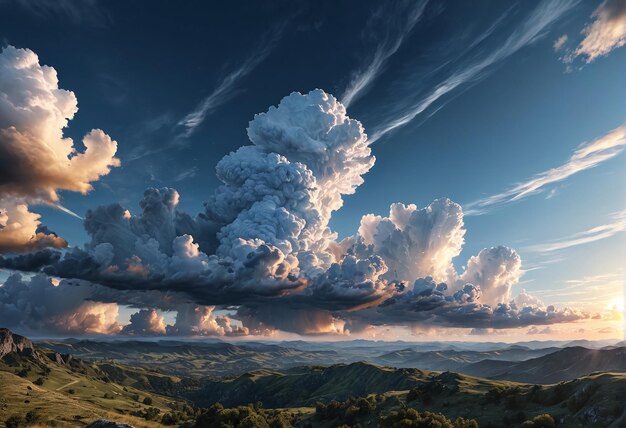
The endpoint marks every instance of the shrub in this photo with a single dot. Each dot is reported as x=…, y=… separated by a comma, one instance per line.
x=149, y=414
x=32, y=417
x=15, y=421
x=540, y=421
x=39, y=381
x=147, y=401
x=544, y=421
x=170, y=419
x=254, y=420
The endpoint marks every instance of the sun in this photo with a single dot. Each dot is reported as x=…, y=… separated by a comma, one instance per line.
x=617, y=304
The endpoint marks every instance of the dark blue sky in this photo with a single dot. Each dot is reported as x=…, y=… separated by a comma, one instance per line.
x=139, y=68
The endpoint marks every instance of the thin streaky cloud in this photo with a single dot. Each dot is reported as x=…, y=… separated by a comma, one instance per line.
x=615, y=226
x=87, y=12
x=532, y=29
x=186, y=174
x=66, y=210
x=386, y=47
x=585, y=157
x=227, y=88
x=492, y=28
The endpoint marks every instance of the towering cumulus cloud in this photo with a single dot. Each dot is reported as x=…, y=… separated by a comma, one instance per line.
x=264, y=230
x=307, y=154
x=36, y=160
x=496, y=270
x=261, y=256
x=417, y=242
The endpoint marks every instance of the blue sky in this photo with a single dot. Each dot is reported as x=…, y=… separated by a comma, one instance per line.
x=139, y=69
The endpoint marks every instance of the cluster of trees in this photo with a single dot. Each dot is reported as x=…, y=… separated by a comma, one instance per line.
x=345, y=412
x=250, y=416
x=515, y=399
x=413, y=418
x=445, y=383
x=497, y=394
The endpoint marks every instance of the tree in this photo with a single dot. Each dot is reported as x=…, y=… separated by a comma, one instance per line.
x=147, y=401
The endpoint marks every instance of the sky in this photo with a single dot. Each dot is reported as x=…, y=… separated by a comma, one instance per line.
x=292, y=132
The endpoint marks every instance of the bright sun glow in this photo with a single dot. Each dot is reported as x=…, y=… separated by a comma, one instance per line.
x=617, y=304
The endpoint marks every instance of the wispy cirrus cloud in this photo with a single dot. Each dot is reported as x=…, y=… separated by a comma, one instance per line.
x=87, y=12
x=585, y=157
x=227, y=88
x=531, y=30
x=397, y=26
x=616, y=225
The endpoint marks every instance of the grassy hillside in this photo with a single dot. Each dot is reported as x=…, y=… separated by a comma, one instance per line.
x=49, y=387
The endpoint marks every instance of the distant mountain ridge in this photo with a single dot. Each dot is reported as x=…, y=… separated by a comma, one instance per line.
x=564, y=364
x=457, y=360
x=223, y=359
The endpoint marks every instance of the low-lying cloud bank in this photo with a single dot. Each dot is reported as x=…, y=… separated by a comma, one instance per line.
x=262, y=248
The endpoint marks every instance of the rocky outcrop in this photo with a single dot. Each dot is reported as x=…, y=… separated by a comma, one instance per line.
x=14, y=343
